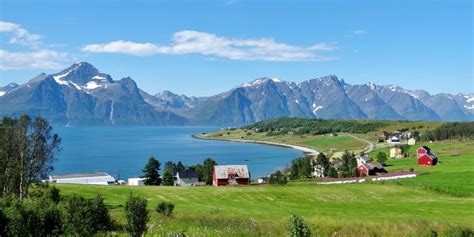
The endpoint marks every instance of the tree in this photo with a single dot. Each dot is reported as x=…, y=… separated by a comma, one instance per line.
x=381, y=157
x=332, y=172
x=27, y=149
x=297, y=227
x=171, y=167
x=136, y=213
x=348, y=168
x=278, y=178
x=179, y=167
x=152, y=172
x=208, y=169
x=323, y=161
x=168, y=179
x=103, y=222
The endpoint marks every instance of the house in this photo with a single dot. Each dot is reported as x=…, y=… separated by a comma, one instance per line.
x=396, y=152
x=136, y=181
x=230, y=175
x=99, y=178
x=411, y=141
x=262, y=180
x=425, y=157
x=318, y=171
x=186, y=178
x=395, y=139
x=370, y=168
x=384, y=135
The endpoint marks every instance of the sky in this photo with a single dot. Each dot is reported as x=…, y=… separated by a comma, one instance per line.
x=202, y=48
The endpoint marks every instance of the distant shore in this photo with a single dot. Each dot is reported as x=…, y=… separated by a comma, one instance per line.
x=305, y=150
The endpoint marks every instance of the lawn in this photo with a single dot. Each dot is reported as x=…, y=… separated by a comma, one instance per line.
x=440, y=200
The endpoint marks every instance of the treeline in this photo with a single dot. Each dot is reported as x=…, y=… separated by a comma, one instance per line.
x=151, y=171
x=307, y=167
x=302, y=126
x=454, y=130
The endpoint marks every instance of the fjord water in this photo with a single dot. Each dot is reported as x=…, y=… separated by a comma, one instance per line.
x=123, y=151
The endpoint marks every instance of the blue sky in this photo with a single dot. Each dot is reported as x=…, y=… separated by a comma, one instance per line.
x=211, y=46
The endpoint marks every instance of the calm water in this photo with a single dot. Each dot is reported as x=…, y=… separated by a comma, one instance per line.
x=124, y=150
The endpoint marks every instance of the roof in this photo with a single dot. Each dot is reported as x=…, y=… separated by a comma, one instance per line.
x=426, y=148
x=188, y=174
x=240, y=171
x=80, y=175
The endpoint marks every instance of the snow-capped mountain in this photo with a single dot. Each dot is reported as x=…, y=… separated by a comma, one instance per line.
x=82, y=95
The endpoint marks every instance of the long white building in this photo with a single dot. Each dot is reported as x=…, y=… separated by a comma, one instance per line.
x=98, y=178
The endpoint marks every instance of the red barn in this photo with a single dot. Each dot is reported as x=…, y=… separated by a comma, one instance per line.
x=230, y=175
x=372, y=168
x=425, y=157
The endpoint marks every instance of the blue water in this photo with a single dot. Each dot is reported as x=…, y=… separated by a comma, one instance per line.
x=123, y=151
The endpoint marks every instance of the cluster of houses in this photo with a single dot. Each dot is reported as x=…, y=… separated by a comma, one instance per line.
x=222, y=175
x=397, y=137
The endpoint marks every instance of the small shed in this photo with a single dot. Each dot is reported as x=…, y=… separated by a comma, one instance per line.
x=187, y=178
x=230, y=175
x=411, y=141
x=396, y=152
x=98, y=178
x=136, y=181
x=370, y=168
x=425, y=156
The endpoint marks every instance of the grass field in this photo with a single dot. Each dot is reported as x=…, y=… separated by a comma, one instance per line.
x=441, y=200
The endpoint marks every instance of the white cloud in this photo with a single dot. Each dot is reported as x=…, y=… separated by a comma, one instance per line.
x=359, y=32
x=41, y=59
x=194, y=42
x=37, y=58
x=19, y=34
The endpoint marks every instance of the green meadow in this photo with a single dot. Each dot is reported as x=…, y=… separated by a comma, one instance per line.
x=440, y=200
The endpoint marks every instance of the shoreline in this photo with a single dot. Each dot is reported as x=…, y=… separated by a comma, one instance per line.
x=305, y=150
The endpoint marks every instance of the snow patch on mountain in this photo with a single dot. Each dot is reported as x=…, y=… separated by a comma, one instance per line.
x=2, y=93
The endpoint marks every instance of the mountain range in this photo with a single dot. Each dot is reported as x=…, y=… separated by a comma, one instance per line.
x=82, y=95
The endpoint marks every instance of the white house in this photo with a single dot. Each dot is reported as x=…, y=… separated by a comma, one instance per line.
x=100, y=178
x=136, y=181
x=186, y=178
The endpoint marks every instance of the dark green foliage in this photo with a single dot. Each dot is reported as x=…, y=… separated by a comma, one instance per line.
x=301, y=168
x=455, y=130
x=3, y=223
x=460, y=232
x=165, y=208
x=207, y=170
x=323, y=161
x=152, y=172
x=332, y=172
x=23, y=220
x=278, y=178
x=301, y=126
x=27, y=150
x=348, y=168
x=85, y=217
x=297, y=227
x=381, y=157
x=168, y=179
x=136, y=213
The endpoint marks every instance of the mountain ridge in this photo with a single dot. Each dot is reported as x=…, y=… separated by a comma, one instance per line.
x=82, y=95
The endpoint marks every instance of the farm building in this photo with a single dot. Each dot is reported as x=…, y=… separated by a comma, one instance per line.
x=425, y=157
x=186, y=178
x=230, y=175
x=366, y=167
x=370, y=168
x=411, y=141
x=136, y=181
x=100, y=178
x=384, y=135
x=396, y=152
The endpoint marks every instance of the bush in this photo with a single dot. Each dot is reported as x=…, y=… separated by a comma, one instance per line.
x=85, y=217
x=3, y=223
x=332, y=172
x=137, y=216
x=22, y=220
x=278, y=178
x=297, y=227
x=165, y=208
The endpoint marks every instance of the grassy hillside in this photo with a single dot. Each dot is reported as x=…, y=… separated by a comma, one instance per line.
x=441, y=200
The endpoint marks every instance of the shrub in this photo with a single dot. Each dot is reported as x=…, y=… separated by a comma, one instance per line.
x=85, y=217
x=165, y=208
x=278, y=178
x=22, y=220
x=332, y=172
x=137, y=216
x=3, y=223
x=297, y=227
